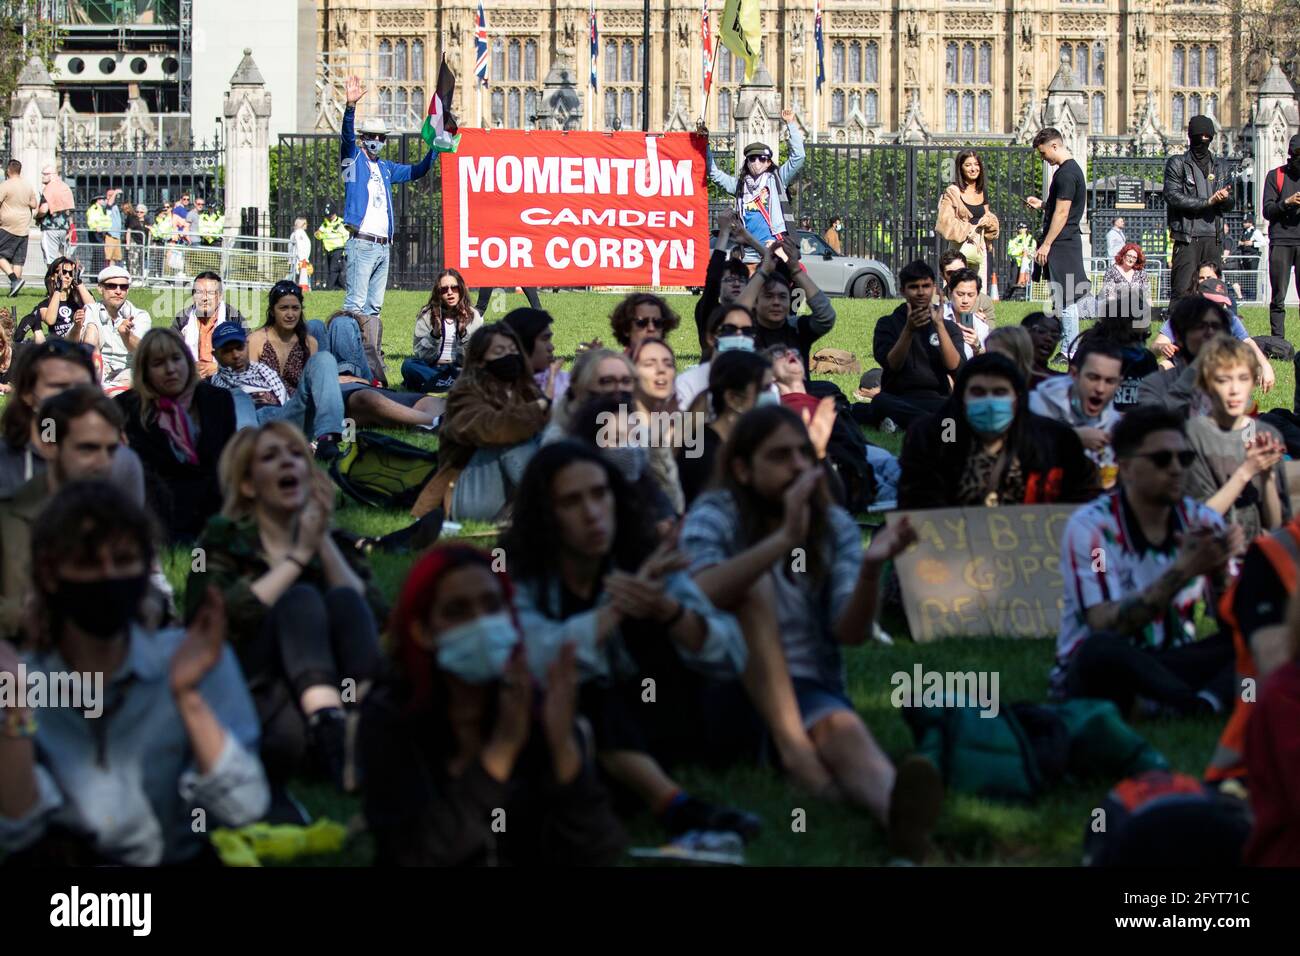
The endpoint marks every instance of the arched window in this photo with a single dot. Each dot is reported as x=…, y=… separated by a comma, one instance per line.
x=512, y=98
x=399, y=60
x=1194, y=104
x=627, y=67
x=724, y=110
x=1098, y=111
x=968, y=63
x=1211, y=65
x=855, y=63
x=629, y=110
x=855, y=102
x=950, y=112
x=723, y=67
x=837, y=108
x=1098, y=64
x=386, y=104
x=985, y=112
x=530, y=61
x=1212, y=105
x=871, y=108
x=968, y=112
x=513, y=69
x=872, y=63
x=837, y=62
x=385, y=60
x=1179, y=62
x=1067, y=55
x=417, y=61
x=1178, y=117
x=611, y=65
x=1194, y=66
x=986, y=63
x=611, y=108
x=950, y=64
x=1081, y=64
x=498, y=107
x=530, y=107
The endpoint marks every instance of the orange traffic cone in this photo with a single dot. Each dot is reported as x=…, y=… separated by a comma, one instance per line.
x=993, y=287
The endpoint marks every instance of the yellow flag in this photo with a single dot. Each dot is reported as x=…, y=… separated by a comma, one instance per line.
x=742, y=32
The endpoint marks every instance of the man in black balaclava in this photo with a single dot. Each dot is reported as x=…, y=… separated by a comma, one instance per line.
x=1281, y=207
x=1197, y=194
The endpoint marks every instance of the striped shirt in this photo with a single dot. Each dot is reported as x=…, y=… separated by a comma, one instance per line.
x=258, y=377
x=1106, y=557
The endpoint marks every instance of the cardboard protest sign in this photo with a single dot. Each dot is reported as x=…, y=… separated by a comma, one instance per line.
x=984, y=572
x=576, y=209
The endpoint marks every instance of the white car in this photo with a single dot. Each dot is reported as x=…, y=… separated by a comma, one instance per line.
x=837, y=274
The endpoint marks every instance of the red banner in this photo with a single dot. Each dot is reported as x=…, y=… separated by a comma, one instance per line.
x=576, y=209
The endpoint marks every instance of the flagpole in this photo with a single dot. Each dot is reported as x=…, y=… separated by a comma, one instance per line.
x=713, y=65
x=591, y=70
x=478, y=103
x=816, y=105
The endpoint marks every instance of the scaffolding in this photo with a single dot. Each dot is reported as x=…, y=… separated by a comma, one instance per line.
x=186, y=57
x=332, y=71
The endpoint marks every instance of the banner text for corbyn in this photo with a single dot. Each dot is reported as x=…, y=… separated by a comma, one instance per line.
x=576, y=209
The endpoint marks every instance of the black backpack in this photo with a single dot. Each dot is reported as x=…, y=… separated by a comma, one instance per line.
x=847, y=451
x=383, y=472
x=1275, y=347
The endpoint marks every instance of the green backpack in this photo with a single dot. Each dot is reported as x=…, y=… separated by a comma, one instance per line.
x=383, y=472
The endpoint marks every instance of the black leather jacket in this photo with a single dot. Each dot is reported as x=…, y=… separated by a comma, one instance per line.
x=1187, y=198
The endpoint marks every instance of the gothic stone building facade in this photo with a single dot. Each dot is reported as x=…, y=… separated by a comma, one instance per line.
x=970, y=66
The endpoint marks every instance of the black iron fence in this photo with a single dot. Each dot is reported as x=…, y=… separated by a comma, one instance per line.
x=306, y=179
x=888, y=197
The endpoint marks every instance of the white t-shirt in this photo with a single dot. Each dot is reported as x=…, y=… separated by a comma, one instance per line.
x=690, y=383
x=111, y=347
x=375, y=221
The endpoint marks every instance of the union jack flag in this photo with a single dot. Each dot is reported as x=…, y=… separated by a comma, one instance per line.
x=595, y=46
x=706, y=34
x=481, y=45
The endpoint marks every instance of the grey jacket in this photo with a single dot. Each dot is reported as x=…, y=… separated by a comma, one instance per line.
x=1170, y=388
x=427, y=344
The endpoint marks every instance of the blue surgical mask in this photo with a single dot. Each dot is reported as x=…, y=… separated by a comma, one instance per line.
x=766, y=397
x=372, y=146
x=477, y=652
x=729, y=342
x=991, y=415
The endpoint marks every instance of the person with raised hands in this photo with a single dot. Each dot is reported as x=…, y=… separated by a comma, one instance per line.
x=171, y=739
x=302, y=610
x=458, y=736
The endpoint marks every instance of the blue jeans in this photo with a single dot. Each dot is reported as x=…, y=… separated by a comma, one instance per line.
x=420, y=376
x=342, y=339
x=489, y=480
x=367, y=280
x=317, y=406
x=1084, y=308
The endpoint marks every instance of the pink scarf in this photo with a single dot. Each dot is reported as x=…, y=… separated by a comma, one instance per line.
x=176, y=424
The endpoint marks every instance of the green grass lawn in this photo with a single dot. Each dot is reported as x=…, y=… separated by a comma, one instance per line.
x=972, y=831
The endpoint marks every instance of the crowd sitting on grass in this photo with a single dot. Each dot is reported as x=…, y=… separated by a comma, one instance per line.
x=679, y=534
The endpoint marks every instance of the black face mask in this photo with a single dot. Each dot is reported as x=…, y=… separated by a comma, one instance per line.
x=1294, y=161
x=507, y=367
x=101, y=608
x=624, y=398
x=1200, y=148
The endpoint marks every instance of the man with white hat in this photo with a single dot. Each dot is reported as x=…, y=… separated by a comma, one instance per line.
x=114, y=327
x=368, y=215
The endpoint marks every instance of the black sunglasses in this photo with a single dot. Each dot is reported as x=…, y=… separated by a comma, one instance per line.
x=645, y=323
x=1162, y=459
x=747, y=331
x=115, y=286
x=448, y=288
x=766, y=157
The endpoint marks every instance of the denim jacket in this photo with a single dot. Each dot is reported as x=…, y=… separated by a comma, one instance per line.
x=356, y=185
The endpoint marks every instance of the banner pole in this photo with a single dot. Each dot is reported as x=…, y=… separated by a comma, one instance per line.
x=713, y=65
x=478, y=102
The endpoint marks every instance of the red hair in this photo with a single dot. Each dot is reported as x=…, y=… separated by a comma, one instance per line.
x=1126, y=249
x=415, y=600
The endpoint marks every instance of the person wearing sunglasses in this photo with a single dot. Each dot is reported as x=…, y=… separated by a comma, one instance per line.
x=759, y=189
x=730, y=327
x=596, y=372
x=114, y=328
x=442, y=328
x=1138, y=564
x=66, y=297
x=368, y=214
x=641, y=316
x=1192, y=321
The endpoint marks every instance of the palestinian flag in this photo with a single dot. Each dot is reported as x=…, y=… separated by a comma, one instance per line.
x=440, y=127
